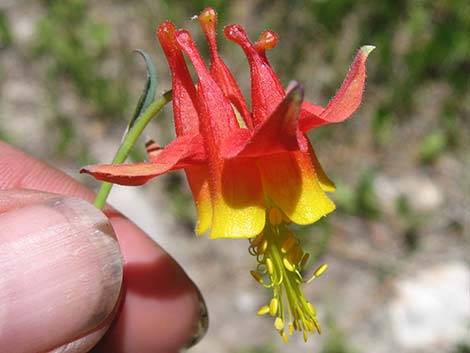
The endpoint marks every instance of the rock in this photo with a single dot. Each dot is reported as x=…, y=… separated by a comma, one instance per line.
x=422, y=193
x=431, y=308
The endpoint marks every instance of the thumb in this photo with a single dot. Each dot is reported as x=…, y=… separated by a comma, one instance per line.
x=60, y=273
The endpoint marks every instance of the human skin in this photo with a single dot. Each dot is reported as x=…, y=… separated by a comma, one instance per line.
x=72, y=277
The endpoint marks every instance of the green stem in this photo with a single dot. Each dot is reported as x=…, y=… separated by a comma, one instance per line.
x=129, y=141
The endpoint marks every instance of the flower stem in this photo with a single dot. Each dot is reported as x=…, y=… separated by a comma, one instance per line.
x=129, y=141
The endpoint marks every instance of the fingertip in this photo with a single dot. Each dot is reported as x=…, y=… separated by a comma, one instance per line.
x=61, y=270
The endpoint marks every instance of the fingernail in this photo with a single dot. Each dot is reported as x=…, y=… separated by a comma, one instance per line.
x=61, y=273
x=203, y=323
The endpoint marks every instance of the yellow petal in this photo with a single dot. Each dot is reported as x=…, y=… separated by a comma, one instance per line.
x=289, y=180
x=238, y=204
x=198, y=179
x=325, y=183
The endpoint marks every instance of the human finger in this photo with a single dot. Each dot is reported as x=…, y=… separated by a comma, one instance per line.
x=61, y=272
x=162, y=310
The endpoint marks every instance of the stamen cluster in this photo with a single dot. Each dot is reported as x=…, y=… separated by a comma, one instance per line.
x=280, y=263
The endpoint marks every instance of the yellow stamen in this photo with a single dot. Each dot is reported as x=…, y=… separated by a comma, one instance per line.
x=263, y=310
x=311, y=308
x=279, y=324
x=319, y=271
x=288, y=265
x=317, y=326
x=269, y=266
x=273, y=306
x=309, y=326
x=262, y=247
x=257, y=277
x=280, y=259
x=284, y=337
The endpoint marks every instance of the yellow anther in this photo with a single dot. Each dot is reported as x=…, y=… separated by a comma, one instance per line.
x=262, y=247
x=288, y=244
x=311, y=308
x=269, y=266
x=317, y=326
x=288, y=265
x=284, y=337
x=257, y=277
x=273, y=306
x=263, y=310
x=309, y=326
x=291, y=328
x=275, y=216
x=305, y=336
x=279, y=324
x=319, y=271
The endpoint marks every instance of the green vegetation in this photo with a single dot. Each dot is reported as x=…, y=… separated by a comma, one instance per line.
x=336, y=342
x=76, y=46
x=432, y=146
x=5, y=33
x=462, y=348
x=359, y=199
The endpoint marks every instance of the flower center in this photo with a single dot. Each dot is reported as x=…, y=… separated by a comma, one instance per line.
x=280, y=262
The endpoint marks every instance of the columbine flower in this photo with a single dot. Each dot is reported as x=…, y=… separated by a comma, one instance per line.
x=251, y=173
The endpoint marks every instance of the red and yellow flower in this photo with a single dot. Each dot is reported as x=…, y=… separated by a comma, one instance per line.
x=238, y=162
x=251, y=172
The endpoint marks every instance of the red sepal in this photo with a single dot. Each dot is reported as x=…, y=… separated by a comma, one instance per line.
x=345, y=102
x=278, y=133
x=218, y=68
x=184, y=92
x=216, y=115
x=182, y=152
x=266, y=89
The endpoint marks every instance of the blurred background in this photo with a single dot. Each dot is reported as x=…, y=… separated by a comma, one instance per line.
x=398, y=244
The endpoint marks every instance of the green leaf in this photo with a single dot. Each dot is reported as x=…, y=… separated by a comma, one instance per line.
x=129, y=140
x=148, y=94
x=145, y=110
